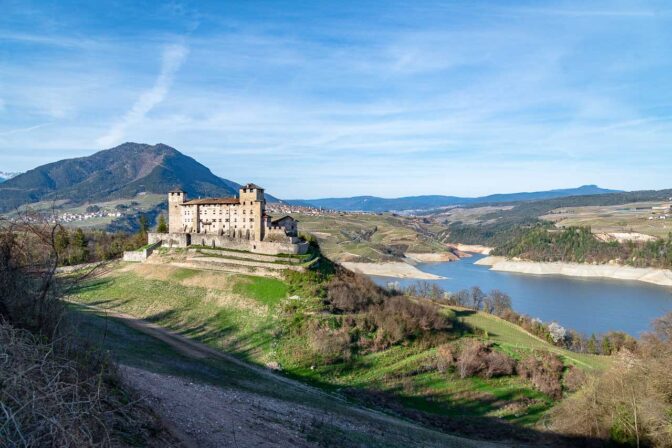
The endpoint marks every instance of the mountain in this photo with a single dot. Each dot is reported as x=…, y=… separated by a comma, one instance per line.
x=376, y=204
x=6, y=176
x=120, y=172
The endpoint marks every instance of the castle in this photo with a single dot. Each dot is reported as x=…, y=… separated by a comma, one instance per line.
x=238, y=223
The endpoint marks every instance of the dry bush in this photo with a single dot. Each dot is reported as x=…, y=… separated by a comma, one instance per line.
x=329, y=345
x=49, y=399
x=352, y=293
x=544, y=370
x=573, y=379
x=54, y=391
x=399, y=318
x=445, y=357
x=630, y=403
x=477, y=358
x=499, y=364
x=390, y=318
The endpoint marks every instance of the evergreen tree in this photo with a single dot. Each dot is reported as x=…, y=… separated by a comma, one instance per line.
x=61, y=240
x=606, y=346
x=592, y=344
x=80, y=247
x=144, y=223
x=162, y=227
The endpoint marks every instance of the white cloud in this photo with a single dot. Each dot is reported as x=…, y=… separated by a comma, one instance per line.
x=173, y=57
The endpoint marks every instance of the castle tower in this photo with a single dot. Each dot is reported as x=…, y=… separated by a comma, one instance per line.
x=175, y=198
x=253, y=201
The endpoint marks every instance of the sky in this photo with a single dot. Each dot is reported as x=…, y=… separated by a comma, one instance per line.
x=328, y=99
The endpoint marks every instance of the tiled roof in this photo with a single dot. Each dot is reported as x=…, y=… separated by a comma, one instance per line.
x=213, y=201
x=280, y=219
x=252, y=187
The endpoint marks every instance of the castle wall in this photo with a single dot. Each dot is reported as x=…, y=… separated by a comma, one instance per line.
x=289, y=246
x=170, y=239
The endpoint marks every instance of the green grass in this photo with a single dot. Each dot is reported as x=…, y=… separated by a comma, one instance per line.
x=514, y=339
x=244, y=318
x=268, y=291
x=136, y=349
x=240, y=325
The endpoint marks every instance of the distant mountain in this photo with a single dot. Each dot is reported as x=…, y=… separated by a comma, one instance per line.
x=376, y=204
x=6, y=176
x=120, y=172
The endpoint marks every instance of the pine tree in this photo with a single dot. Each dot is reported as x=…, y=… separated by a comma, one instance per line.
x=144, y=223
x=592, y=344
x=162, y=227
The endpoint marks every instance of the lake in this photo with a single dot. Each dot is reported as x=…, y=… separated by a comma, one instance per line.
x=586, y=305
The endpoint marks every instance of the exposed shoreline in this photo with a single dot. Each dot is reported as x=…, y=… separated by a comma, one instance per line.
x=395, y=269
x=661, y=277
x=471, y=248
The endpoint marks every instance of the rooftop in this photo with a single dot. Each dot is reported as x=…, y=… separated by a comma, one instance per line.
x=251, y=186
x=213, y=201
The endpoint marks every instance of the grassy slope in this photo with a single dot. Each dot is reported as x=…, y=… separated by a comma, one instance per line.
x=240, y=314
x=335, y=233
x=133, y=348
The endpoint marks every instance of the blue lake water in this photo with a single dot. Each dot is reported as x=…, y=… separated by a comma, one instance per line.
x=586, y=305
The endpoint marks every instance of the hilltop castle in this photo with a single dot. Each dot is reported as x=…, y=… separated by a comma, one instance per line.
x=239, y=223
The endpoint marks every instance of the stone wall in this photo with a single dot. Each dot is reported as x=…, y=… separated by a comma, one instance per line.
x=248, y=256
x=170, y=239
x=141, y=255
x=292, y=246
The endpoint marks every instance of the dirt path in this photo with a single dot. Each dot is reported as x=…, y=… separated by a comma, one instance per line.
x=212, y=416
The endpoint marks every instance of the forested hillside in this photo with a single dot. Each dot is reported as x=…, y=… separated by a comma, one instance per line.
x=579, y=245
x=500, y=226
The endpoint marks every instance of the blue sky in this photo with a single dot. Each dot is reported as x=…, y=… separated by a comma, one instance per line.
x=316, y=98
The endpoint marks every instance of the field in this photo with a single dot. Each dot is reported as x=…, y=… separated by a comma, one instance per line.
x=242, y=315
x=624, y=218
x=369, y=237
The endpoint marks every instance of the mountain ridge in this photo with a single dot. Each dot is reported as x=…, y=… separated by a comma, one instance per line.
x=426, y=202
x=119, y=172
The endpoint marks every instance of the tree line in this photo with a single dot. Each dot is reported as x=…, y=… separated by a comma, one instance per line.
x=579, y=245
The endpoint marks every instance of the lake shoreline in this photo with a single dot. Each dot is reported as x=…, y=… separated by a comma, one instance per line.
x=394, y=269
x=660, y=277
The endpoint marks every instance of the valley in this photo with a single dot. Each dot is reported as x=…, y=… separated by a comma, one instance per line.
x=285, y=318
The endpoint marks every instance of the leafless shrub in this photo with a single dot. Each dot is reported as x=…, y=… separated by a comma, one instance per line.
x=329, y=345
x=47, y=399
x=478, y=359
x=54, y=391
x=445, y=357
x=353, y=293
x=544, y=370
x=630, y=403
x=399, y=318
x=573, y=379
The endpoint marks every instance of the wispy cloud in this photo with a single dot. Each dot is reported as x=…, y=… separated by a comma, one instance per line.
x=20, y=130
x=172, y=59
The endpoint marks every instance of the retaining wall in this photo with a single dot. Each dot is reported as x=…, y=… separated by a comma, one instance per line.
x=292, y=246
x=141, y=255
